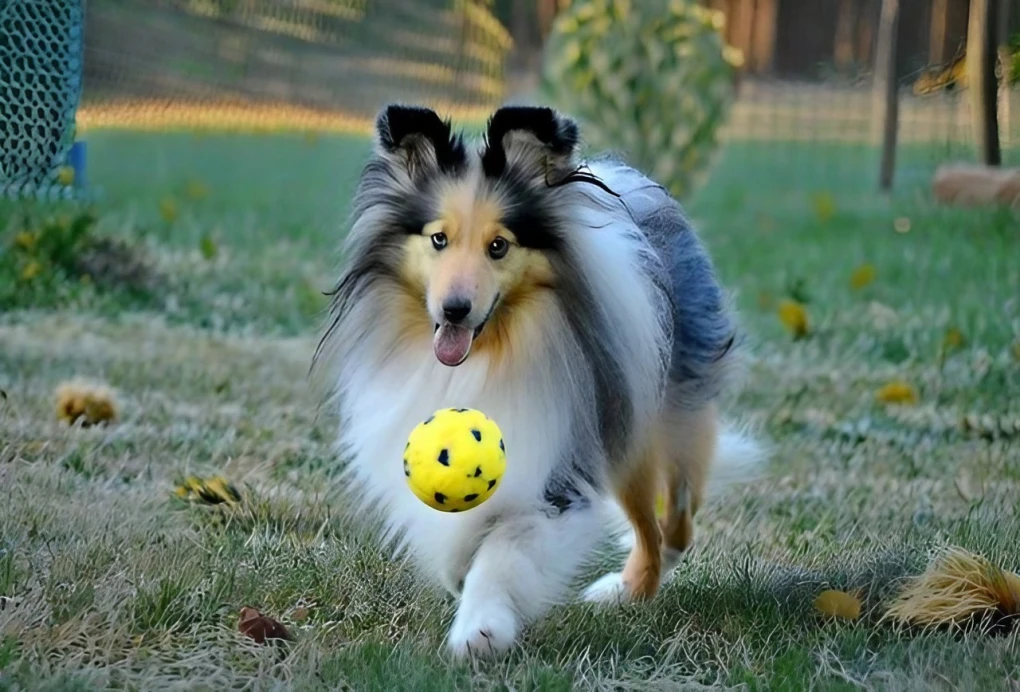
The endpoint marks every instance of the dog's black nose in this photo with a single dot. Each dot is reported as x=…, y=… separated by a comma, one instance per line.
x=455, y=310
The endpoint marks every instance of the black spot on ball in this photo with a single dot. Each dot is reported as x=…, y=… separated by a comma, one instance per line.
x=492, y=484
x=460, y=410
x=454, y=510
x=444, y=457
x=501, y=447
x=471, y=498
x=477, y=434
x=407, y=469
x=478, y=472
x=440, y=498
x=429, y=420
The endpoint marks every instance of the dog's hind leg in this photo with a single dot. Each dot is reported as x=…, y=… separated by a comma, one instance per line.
x=690, y=438
x=638, y=485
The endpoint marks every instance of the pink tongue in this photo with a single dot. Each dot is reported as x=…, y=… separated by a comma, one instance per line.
x=451, y=344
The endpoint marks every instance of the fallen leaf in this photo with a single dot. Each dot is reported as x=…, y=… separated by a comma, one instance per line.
x=89, y=402
x=300, y=614
x=31, y=270
x=863, y=276
x=825, y=206
x=838, y=604
x=952, y=339
x=902, y=225
x=794, y=317
x=196, y=189
x=259, y=627
x=65, y=176
x=897, y=392
x=168, y=209
x=213, y=491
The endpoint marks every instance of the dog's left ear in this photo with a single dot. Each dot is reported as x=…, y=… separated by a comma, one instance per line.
x=532, y=140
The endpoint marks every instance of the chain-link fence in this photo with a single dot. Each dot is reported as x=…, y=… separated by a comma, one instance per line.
x=331, y=64
x=810, y=72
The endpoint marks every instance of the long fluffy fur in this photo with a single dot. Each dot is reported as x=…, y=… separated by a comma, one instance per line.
x=636, y=319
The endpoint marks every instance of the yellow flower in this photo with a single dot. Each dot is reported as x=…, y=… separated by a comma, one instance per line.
x=26, y=240
x=30, y=271
x=168, y=209
x=196, y=189
x=65, y=176
x=825, y=206
x=794, y=317
x=897, y=392
x=862, y=276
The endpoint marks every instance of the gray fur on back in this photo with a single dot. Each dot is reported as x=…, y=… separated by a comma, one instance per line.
x=704, y=332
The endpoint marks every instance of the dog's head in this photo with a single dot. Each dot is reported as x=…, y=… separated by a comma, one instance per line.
x=472, y=230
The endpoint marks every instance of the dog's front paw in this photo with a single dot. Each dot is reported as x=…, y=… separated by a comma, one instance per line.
x=483, y=629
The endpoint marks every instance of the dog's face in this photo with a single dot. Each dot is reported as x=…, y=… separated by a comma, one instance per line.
x=478, y=229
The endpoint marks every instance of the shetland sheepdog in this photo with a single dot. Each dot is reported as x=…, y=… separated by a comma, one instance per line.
x=571, y=302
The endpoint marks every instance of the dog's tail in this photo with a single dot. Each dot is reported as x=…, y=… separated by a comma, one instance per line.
x=740, y=458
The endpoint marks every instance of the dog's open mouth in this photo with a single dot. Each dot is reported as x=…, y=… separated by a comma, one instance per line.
x=452, y=342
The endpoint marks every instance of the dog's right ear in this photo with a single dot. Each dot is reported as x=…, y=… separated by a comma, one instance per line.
x=421, y=139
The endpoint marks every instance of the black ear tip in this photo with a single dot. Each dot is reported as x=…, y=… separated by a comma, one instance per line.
x=396, y=121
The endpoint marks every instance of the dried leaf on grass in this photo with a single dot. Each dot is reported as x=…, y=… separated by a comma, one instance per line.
x=824, y=205
x=213, y=491
x=90, y=402
x=260, y=627
x=863, y=276
x=794, y=317
x=897, y=392
x=957, y=589
x=838, y=604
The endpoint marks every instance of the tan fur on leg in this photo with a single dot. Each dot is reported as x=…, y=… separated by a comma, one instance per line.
x=636, y=494
x=689, y=446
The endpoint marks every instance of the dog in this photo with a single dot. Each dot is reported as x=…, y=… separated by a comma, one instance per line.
x=572, y=303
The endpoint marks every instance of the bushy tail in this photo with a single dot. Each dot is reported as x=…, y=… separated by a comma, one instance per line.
x=739, y=458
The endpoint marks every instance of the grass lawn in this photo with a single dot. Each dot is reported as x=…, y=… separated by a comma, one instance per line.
x=108, y=581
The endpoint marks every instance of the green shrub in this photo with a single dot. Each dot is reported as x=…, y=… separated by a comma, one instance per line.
x=650, y=79
x=48, y=260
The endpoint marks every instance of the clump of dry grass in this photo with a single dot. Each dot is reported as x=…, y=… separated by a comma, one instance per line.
x=958, y=589
x=90, y=402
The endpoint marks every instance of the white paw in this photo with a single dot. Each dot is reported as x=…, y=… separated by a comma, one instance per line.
x=608, y=589
x=483, y=629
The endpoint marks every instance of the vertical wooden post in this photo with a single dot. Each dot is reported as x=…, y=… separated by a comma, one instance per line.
x=846, y=22
x=981, y=57
x=742, y=26
x=937, y=32
x=885, y=97
x=763, y=49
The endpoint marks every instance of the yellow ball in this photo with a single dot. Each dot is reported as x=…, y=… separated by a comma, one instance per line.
x=455, y=459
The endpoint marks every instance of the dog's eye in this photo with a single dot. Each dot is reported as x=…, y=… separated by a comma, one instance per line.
x=498, y=248
x=439, y=240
